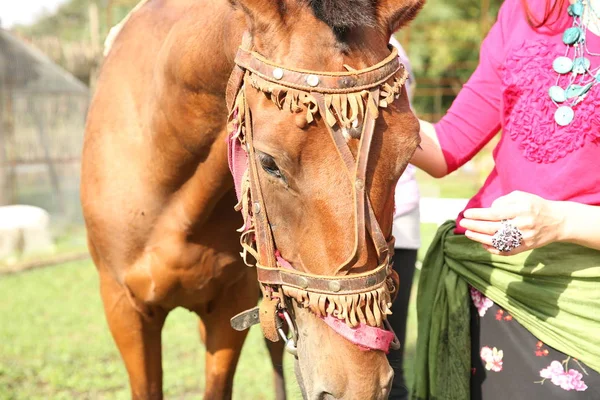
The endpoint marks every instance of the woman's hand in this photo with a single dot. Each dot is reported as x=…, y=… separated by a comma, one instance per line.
x=540, y=221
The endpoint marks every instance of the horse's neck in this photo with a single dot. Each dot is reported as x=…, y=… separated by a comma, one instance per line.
x=201, y=47
x=193, y=67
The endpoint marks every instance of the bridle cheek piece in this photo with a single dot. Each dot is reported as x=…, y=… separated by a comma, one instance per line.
x=344, y=100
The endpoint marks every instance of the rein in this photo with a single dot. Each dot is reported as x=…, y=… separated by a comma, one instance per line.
x=344, y=100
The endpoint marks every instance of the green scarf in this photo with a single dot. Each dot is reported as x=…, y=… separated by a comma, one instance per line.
x=553, y=291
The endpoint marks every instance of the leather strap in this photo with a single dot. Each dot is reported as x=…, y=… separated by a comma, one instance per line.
x=245, y=319
x=344, y=284
x=357, y=173
x=356, y=182
x=264, y=237
x=326, y=82
x=236, y=79
x=269, y=321
x=338, y=285
x=234, y=84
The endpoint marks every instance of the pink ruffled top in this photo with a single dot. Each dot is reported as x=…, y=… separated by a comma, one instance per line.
x=509, y=91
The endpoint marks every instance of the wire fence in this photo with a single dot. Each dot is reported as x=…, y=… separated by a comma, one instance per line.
x=42, y=118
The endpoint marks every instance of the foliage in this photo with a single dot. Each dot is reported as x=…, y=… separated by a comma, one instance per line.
x=443, y=45
x=70, y=22
x=448, y=33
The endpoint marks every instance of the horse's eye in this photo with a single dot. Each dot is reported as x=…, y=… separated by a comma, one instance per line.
x=268, y=164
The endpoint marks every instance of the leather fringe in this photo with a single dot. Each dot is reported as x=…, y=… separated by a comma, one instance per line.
x=237, y=127
x=346, y=109
x=369, y=308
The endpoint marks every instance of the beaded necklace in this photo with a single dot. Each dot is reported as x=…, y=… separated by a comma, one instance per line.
x=574, y=67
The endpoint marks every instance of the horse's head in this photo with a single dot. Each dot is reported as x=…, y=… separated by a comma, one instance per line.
x=316, y=157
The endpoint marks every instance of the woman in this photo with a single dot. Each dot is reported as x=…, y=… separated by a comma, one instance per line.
x=509, y=296
x=406, y=231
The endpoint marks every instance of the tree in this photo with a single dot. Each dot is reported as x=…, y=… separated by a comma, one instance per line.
x=443, y=44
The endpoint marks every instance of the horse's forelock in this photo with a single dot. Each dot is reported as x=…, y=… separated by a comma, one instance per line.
x=343, y=14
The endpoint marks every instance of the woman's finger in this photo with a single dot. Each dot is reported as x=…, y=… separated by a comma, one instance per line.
x=492, y=249
x=480, y=226
x=479, y=237
x=489, y=214
x=495, y=251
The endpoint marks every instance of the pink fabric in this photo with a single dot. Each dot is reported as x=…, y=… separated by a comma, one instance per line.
x=509, y=91
x=238, y=164
x=237, y=158
x=282, y=261
x=366, y=337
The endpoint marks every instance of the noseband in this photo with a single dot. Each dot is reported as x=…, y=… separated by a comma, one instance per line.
x=345, y=101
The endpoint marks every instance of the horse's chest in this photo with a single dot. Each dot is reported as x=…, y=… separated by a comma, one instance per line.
x=158, y=279
x=187, y=263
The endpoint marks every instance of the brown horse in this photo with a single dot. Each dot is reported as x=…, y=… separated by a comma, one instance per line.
x=159, y=199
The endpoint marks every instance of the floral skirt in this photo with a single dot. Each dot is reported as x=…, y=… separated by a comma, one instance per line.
x=508, y=362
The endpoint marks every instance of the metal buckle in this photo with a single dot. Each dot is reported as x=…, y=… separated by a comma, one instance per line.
x=290, y=342
x=245, y=319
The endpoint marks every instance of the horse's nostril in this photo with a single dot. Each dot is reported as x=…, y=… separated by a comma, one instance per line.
x=324, y=396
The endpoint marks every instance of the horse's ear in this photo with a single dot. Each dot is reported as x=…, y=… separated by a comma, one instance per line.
x=260, y=11
x=394, y=14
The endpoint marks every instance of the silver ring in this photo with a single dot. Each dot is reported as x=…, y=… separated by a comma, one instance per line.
x=507, y=238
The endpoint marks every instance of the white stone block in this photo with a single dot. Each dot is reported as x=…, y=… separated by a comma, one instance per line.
x=24, y=230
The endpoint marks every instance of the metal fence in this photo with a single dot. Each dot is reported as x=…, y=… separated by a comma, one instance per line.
x=444, y=49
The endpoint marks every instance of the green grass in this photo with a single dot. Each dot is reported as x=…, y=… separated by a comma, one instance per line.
x=55, y=344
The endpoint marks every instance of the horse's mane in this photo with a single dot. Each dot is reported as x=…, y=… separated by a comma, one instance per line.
x=343, y=14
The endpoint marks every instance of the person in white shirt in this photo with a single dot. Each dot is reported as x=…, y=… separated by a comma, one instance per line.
x=406, y=230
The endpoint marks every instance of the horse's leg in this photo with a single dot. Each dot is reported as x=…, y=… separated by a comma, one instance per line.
x=138, y=338
x=276, y=350
x=223, y=343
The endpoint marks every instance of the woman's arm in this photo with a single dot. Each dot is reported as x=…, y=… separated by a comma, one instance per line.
x=581, y=223
x=474, y=118
x=429, y=157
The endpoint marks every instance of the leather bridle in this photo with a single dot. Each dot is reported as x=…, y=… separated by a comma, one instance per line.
x=345, y=101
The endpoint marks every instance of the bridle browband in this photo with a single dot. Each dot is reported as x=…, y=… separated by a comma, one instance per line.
x=345, y=101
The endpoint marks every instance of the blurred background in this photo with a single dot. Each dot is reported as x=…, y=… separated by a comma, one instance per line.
x=54, y=342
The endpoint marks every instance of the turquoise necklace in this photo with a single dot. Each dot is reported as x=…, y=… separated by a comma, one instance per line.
x=574, y=67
